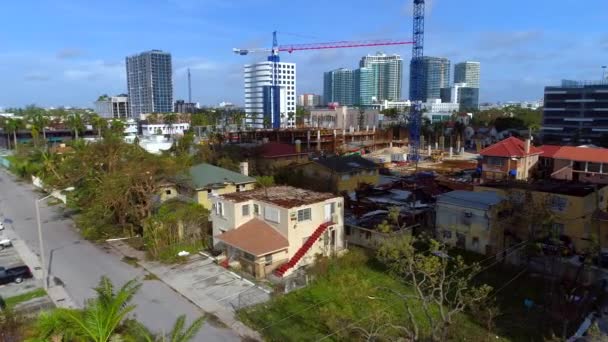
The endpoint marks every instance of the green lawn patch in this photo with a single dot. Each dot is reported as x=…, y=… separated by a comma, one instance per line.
x=349, y=295
x=24, y=297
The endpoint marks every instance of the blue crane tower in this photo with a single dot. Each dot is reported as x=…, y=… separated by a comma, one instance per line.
x=416, y=80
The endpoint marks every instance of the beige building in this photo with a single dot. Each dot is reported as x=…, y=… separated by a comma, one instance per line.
x=280, y=228
x=343, y=118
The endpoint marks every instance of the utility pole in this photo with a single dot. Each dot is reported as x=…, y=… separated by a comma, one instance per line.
x=189, y=89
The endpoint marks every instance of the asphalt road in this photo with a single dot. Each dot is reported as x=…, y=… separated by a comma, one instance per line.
x=79, y=264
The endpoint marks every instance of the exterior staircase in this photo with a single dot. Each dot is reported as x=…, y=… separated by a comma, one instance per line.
x=280, y=271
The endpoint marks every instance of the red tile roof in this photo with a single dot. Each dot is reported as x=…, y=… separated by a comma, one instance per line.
x=582, y=154
x=275, y=150
x=549, y=150
x=255, y=237
x=510, y=147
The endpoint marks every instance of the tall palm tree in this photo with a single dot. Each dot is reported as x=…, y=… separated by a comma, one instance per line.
x=179, y=333
x=76, y=123
x=13, y=125
x=39, y=121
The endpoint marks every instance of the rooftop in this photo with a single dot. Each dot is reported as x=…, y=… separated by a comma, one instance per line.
x=283, y=196
x=478, y=200
x=209, y=176
x=255, y=237
x=346, y=164
x=549, y=186
x=510, y=147
x=582, y=154
x=549, y=150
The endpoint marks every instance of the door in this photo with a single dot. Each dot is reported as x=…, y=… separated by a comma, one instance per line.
x=329, y=210
x=461, y=241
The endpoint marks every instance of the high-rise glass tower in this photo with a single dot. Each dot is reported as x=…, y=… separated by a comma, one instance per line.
x=339, y=86
x=388, y=75
x=467, y=72
x=150, y=82
x=436, y=76
x=366, y=86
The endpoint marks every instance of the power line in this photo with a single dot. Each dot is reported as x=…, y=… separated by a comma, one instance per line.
x=510, y=281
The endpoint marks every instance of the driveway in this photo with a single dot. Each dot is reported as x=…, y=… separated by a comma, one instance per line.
x=209, y=282
x=211, y=287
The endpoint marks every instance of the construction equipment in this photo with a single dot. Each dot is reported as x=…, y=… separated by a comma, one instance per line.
x=274, y=91
x=416, y=81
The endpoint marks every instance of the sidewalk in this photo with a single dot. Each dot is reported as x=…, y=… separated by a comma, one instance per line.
x=194, y=295
x=57, y=293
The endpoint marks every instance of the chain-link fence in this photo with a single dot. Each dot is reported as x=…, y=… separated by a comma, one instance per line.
x=252, y=296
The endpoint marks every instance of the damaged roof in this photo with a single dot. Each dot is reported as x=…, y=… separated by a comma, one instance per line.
x=283, y=196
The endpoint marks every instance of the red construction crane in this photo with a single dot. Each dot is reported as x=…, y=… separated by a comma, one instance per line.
x=274, y=58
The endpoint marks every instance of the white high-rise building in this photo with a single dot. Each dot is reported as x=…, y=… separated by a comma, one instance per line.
x=259, y=95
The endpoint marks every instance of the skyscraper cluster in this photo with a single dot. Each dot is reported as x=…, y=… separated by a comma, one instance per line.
x=378, y=78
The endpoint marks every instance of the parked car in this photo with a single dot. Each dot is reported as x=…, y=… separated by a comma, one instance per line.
x=5, y=243
x=14, y=274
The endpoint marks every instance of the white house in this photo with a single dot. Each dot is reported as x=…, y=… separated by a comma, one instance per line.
x=148, y=129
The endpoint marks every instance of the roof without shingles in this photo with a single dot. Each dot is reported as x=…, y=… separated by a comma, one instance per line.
x=207, y=175
x=276, y=150
x=346, y=164
x=283, y=196
x=470, y=199
x=510, y=147
x=255, y=237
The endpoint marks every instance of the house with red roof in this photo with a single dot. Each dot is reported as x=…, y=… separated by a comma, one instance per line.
x=579, y=164
x=510, y=158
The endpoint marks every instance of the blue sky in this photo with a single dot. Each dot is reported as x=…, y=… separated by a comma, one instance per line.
x=68, y=52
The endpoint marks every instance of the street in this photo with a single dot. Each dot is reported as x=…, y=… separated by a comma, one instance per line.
x=79, y=264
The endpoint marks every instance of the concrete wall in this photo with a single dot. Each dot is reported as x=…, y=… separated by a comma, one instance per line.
x=369, y=238
x=340, y=182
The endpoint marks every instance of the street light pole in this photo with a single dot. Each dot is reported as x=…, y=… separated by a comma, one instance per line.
x=40, y=243
x=40, y=240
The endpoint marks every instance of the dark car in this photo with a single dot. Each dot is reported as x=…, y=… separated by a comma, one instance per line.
x=14, y=274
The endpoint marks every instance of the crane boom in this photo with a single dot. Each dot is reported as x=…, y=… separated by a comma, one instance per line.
x=322, y=46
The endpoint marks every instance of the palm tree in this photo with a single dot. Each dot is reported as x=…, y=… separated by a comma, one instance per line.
x=98, y=320
x=265, y=182
x=98, y=123
x=13, y=125
x=75, y=123
x=117, y=126
x=178, y=333
x=102, y=318
x=39, y=121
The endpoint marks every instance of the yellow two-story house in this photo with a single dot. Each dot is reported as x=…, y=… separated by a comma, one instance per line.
x=277, y=229
x=203, y=181
x=571, y=208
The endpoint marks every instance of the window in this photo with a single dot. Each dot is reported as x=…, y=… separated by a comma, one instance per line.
x=468, y=214
x=345, y=177
x=271, y=214
x=245, y=210
x=368, y=235
x=268, y=260
x=219, y=209
x=475, y=242
x=558, y=229
x=168, y=192
x=256, y=209
x=496, y=161
x=558, y=203
x=347, y=230
x=304, y=215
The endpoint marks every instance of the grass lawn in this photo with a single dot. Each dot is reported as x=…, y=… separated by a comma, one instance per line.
x=24, y=297
x=348, y=296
